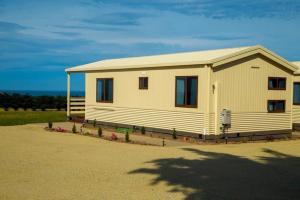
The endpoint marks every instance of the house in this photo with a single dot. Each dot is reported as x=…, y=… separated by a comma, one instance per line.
x=188, y=91
x=296, y=98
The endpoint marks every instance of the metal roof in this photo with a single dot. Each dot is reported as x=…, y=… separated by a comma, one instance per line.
x=211, y=57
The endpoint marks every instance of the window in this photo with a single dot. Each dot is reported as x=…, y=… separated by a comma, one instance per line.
x=186, y=91
x=104, y=90
x=276, y=105
x=143, y=83
x=296, y=93
x=276, y=83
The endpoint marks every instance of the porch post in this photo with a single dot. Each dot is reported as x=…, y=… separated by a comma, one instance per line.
x=68, y=94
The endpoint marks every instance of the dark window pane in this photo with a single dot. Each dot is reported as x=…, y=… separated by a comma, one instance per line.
x=296, y=93
x=109, y=90
x=271, y=106
x=272, y=83
x=280, y=105
x=100, y=91
x=281, y=83
x=180, y=87
x=146, y=82
x=191, y=91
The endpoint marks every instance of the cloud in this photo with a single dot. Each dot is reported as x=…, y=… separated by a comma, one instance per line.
x=119, y=19
x=10, y=27
x=232, y=9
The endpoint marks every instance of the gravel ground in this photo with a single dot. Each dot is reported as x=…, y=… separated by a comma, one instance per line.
x=36, y=164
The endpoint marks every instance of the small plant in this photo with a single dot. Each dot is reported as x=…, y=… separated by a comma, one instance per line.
x=114, y=136
x=269, y=138
x=127, y=136
x=174, y=134
x=94, y=123
x=100, y=132
x=74, y=128
x=143, y=131
x=50, y=124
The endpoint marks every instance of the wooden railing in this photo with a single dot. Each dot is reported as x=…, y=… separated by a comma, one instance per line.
x=77, y=105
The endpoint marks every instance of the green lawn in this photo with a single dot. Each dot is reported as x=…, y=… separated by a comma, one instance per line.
x=10, y=118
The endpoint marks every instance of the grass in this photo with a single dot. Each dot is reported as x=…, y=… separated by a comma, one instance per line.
x=124, y=130
x=10, y=118
x=36, y=164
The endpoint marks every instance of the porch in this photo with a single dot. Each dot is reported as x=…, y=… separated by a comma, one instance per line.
x=75, y=104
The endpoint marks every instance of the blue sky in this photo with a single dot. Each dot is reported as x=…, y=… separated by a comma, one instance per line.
x=39, y=39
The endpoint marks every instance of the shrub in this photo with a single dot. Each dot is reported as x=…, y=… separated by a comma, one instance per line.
x=143, y=131
x=50, y=124
x=127, y=136
x=100, y=132
x=15, y=107
x=74, y=128
x=94, y=123
x=174, y=134
x=114, y=136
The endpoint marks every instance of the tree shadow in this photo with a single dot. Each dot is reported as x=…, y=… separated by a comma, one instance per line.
x=225, y=176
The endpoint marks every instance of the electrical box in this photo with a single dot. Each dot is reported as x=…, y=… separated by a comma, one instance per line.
x=226, y=117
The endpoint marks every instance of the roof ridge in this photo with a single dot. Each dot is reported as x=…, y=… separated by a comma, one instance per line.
x=181, y=53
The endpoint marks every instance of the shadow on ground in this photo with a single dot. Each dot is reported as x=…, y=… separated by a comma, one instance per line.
x=225, y=176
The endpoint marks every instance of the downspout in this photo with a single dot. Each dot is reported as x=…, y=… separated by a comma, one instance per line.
x=207, y=110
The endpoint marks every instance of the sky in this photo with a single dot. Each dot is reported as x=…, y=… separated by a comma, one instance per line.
x=39, y=39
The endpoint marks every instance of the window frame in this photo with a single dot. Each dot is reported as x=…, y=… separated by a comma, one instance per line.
x=185, y=93
x=104, y=79
x=141, y=80
x=294, y=93
x=276, y=111
x=272, y=77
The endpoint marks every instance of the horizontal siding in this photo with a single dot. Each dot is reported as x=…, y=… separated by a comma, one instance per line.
x=162, y=119
x=296, y=113
x=248, y=122
x=212, y=123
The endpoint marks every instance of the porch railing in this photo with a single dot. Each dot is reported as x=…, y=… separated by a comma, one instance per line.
x=77, y=105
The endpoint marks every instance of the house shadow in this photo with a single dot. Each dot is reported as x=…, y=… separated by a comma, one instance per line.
x=224, y=176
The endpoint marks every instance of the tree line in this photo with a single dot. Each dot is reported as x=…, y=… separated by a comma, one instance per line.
x=25, y=102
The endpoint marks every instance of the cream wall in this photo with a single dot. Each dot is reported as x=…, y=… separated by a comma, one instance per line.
x=243, y=89
x=154, y=107
x=241, y=86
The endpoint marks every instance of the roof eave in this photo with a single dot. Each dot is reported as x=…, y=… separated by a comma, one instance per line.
x=86, y=68
x=258, y=49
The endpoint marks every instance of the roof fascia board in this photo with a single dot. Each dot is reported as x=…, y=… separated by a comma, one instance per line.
x=179, y=64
